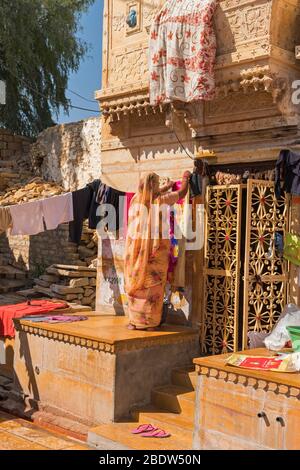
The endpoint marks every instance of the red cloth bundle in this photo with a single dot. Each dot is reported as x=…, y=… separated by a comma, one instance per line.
x=35, y=307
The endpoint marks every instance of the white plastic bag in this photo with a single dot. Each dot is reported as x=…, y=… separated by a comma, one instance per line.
x=256, y=339
x=276, y=340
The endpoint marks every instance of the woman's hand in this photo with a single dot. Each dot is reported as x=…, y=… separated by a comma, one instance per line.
x=186, y=175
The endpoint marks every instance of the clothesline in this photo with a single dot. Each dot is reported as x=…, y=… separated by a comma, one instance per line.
x=33, y=217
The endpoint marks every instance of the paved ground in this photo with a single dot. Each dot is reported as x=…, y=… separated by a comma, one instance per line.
x=18, y=434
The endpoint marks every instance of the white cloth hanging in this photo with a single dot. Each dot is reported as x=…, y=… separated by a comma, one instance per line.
x=182, y=52
x=58, y=210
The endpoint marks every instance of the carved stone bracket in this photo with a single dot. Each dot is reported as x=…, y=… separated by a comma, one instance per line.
x=255, y=79
x=120, y=108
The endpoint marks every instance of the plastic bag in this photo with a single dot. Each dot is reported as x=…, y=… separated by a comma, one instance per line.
x=256, y=339
x=277, y=340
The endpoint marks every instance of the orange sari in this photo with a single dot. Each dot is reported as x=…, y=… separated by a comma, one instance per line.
x=146, y=256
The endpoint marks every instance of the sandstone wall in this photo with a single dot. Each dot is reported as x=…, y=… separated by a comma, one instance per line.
x=12, y=145
x=37, y=252
x=69, y=154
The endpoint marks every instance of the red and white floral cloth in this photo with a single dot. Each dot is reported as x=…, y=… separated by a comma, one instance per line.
x=182, y=52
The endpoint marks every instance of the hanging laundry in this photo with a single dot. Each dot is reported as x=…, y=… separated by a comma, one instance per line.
x=292, y=248
x=36, y=307
x=57, y=210
x=96, y=186
x=102, y=194
x=195, y=185
x=27, y=218
x=182, y=52
x=116, y=199
x=128, y=199
x=177, y=256
x=5, y=219
x=81, y=209
x=288, y=170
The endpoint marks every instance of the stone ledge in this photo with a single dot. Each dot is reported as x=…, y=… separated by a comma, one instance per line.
x=107, y=334
x=279, y=383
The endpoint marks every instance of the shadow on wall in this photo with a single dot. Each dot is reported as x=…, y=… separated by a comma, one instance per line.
x=37, y=252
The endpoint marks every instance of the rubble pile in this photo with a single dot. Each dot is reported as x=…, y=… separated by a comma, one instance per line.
x=76, y=284
x=30, y=190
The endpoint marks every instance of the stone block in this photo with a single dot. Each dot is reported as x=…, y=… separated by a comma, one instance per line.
x=89, y=292
x=80, y=282
x=42, y=283
x=59, y=289
x=49, y=278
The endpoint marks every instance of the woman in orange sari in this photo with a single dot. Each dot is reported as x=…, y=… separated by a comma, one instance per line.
x=147, y=251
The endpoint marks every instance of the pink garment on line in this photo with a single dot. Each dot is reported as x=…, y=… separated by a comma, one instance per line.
x=128, y=199
x=27, y=218
x=58, y=210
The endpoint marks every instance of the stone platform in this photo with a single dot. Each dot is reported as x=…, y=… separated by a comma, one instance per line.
x=18, y=434
x=95, y=371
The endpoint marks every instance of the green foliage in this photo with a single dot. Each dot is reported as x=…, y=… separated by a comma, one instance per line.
x=39, y=47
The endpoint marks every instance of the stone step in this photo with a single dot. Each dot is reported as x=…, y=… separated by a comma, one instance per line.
x=42, y=283
x=10, y=272
x=69, y=267
x=118, y=436
x=19, y=434
x=10, y=299
x=44, y=291
x=64, y=290
x=175, y=399
x=11, y=285
x=71, y=273
x=27, y=293
x=177, y=424
x=7, y=164
x=185, y=377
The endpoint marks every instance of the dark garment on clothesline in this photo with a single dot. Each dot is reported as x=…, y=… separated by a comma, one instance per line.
x=195, y=185
x=95, y=187
x=81, y=206
x=288, y=170
x=117, y=199
x=103, y=194
x=85, y=205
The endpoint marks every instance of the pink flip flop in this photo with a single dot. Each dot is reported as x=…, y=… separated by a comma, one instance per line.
x=144, y=428
x=157, y=433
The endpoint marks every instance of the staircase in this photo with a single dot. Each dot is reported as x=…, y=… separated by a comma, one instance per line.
x=171, y=408
x=12, y=279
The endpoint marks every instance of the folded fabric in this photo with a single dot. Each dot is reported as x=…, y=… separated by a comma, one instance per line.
x=27, y=218
x=57, y=210
x=292, y=248
x=5, y=219
x=56, y=319
x=36, y=307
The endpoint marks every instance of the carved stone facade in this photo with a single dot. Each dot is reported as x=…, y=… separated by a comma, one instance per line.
x=250, y=120
x=252, y=117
